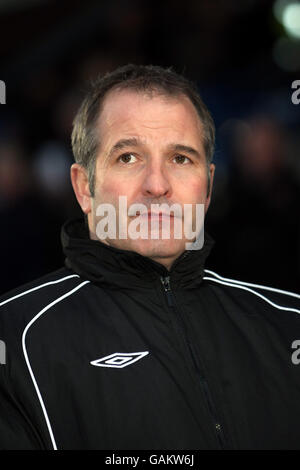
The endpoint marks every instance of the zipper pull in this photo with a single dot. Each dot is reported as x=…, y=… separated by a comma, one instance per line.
x=167, y=288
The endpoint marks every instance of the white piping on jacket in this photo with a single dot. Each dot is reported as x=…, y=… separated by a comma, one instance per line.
x=272, y=289
x=36, y=288
x=237, y=286
x=59, y=299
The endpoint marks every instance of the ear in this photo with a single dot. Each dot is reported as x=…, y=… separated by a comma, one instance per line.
x=80, y=185
x=212, y=168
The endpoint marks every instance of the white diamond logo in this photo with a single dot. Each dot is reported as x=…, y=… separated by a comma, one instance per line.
x=119, y=360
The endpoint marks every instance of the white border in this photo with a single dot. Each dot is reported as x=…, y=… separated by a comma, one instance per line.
x=59, y=299
x=237, y=286
x=36, y=288
x=258, y=286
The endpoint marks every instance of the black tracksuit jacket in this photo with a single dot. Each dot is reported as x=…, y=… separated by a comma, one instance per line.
x=114, y=351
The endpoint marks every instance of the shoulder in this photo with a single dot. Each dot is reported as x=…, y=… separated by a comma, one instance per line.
x=20, y=305
x=261, y=297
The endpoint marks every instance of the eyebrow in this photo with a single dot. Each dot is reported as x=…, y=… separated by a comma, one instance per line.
x=122, y=144
x=134, y=142
x=185, y=149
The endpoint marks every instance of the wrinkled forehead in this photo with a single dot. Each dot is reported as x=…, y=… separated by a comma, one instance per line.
x=121, y=105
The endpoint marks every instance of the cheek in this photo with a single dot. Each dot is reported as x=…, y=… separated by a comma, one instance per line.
x=111, y=189
x=194, y=190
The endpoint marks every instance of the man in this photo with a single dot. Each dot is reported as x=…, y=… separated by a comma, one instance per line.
x=133, y=344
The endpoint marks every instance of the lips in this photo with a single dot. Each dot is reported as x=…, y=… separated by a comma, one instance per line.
x=156, y=215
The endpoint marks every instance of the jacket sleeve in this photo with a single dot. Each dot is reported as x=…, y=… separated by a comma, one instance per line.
x=16, y=430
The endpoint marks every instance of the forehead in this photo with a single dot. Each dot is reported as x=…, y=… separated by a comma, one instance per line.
x=137, y=112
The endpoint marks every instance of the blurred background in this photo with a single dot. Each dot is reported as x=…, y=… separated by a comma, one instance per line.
x=243, y=55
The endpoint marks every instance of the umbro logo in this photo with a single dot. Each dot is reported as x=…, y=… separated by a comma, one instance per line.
x=119, y=360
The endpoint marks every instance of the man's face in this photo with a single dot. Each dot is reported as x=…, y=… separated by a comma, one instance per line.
x=151, y=151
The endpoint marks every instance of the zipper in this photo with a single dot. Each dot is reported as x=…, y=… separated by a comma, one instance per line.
x=165, y=280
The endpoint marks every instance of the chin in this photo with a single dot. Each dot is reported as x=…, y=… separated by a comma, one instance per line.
x=158, y=248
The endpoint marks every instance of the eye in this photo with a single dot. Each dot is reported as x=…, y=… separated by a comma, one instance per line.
x=181, y=158
x=125, y=158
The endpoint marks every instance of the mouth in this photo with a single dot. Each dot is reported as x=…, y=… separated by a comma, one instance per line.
x=155, y=215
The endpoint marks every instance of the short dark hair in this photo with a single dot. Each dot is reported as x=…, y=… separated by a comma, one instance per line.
x=141, y=78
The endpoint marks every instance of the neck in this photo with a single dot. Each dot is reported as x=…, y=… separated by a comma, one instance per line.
x=166, y=261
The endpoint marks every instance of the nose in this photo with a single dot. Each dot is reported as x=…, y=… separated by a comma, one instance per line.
x=156, y=181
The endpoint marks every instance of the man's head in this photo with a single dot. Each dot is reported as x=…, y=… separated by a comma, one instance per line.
x=155, y=120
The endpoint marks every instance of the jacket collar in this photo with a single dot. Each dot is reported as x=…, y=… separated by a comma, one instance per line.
x=106, y=265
